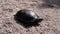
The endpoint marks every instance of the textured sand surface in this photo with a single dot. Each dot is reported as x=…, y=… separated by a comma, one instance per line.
x=49, y=10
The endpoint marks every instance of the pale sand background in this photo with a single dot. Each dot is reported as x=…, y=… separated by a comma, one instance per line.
x=51, y=16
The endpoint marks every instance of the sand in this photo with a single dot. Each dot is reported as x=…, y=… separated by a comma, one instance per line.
x=49, y=10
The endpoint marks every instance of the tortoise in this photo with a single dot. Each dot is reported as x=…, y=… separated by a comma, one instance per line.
x=27, y=17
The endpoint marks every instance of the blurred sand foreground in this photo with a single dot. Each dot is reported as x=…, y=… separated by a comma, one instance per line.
x=49, y=10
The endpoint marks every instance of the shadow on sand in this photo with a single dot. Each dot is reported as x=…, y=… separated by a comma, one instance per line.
x=50, y=4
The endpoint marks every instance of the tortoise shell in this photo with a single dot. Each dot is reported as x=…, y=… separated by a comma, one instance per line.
x=27, y=16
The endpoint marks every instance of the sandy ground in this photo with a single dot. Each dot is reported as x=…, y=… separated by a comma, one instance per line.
x=49, y=10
